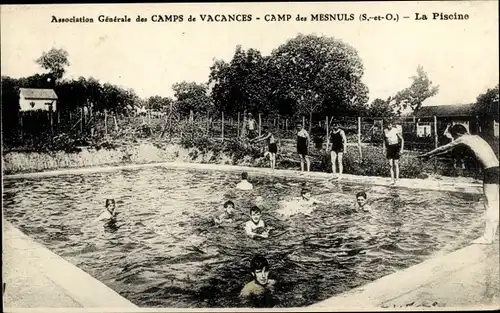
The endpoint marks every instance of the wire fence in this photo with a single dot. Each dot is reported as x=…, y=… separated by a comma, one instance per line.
x=418, y=133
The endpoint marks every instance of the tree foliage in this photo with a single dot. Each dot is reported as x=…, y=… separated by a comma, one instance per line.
x=382, y=108
x=487, y=104
x=414, y=96
x=192, y=96
x=55, y=61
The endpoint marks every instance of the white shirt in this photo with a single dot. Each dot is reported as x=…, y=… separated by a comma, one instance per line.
x=244, y=185
x=392, y=136
x=251, y=124
x=303, y=133
x=105, y=215
x=251, y=228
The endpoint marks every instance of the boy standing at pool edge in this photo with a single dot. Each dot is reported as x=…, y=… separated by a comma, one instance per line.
x=489, y=160
x=394, y=144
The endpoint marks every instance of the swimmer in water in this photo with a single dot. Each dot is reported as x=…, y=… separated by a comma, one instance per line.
x=244, y=184
x=361, y=200
x=489, y=161
x=306, y=198
x=256, y=227
x=110, y=212
x=227, y=216
x=261, y=286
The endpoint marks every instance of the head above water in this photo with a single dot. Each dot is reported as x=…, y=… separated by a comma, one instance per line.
x=110, y=204
x=361, y=198
x=255, y=214
x=457, y=131
x=260, y=269
x=229, y=206
x=305, y=193
x=244, y=176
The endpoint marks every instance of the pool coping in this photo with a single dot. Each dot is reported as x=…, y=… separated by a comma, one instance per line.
x=69, y=284
x=422, y=279
x=425, y=184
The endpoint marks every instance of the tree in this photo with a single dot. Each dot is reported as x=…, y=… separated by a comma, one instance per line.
x=487, y=108
x=55, y=61
x=314, y=74
x=420, y=90
x=191, y=96
x=382, y=108
x=158, y=103
x=242, y=84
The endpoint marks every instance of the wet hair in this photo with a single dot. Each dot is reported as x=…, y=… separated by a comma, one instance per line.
x=255, y=209
x=258, y=263
x=361, y=194
x=244, y=175
x=228, y=203
x=109, y=202
x=457, y=130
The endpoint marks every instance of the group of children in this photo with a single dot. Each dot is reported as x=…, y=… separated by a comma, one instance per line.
x=255, y=227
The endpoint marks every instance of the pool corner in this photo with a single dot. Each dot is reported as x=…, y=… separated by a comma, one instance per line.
x=37, y=278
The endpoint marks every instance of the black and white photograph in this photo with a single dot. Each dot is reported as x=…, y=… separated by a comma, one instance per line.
x=305, y=156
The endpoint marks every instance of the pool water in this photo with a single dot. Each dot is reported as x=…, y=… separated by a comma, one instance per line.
x=164, y=252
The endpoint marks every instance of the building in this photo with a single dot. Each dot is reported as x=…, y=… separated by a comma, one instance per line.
x=35, y=99
x=446, y=115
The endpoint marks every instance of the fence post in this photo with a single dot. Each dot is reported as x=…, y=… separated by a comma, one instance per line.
x=105, y=122
x=279, y=121
x=238, y=128
x=303, y=121
x=286, y=124
x=327, y=134
x=359, y=138
x=222, y=126
x=81, y=120
x=436, y=138
x=383, y=134
x=260, y=125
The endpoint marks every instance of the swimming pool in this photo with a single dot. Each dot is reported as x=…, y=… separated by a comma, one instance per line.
x=163, y=252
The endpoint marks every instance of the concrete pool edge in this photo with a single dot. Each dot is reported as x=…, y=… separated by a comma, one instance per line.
x=70, y=286
x=426, y=184
x=466, y=273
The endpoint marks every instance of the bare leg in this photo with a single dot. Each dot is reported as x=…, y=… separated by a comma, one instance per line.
x=301, y=163
x=333, y=156
x=341, y=165
x=273, y=160
x=491, y=214
x=396, y=166
x=308, y=162
x=391, y=167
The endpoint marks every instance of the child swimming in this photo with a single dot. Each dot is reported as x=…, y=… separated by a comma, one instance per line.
x=244, y=184
x=361, y=201
x=303, y=204
x=256, y=227
x=261, y=286
x=110, y=212
x=489, y=161
x=227, y=216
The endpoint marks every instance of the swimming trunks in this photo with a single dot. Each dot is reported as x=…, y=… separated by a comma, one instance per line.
x=273, y=148
x=393, y=152
x=491, y=175
x=302, y=145
x=337, y=142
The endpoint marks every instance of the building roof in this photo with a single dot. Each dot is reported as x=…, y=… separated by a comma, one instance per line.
x=38, y=93
x=454, y=110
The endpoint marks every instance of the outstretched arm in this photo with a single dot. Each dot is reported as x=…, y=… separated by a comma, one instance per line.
x=440, y=150
x=262, y=137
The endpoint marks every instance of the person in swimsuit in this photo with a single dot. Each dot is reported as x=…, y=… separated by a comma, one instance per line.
x=244, y=184
x=338, y=143
x=261, y=288
x=256, y=227
x=489, y=161
x=251, y=124
x=272, y=147
x=394, y=144
x=110, y=212
x=302, y=147
x=361, y=200
x=228, y=214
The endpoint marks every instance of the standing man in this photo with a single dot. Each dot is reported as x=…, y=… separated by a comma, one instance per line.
x=302, y=147
x=394, y=144
x=338, y=143
x=251, y=126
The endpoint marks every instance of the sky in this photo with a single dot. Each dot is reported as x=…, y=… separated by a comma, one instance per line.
x=459, y=56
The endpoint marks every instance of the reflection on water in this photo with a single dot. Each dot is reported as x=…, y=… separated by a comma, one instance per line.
x=164, y=251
